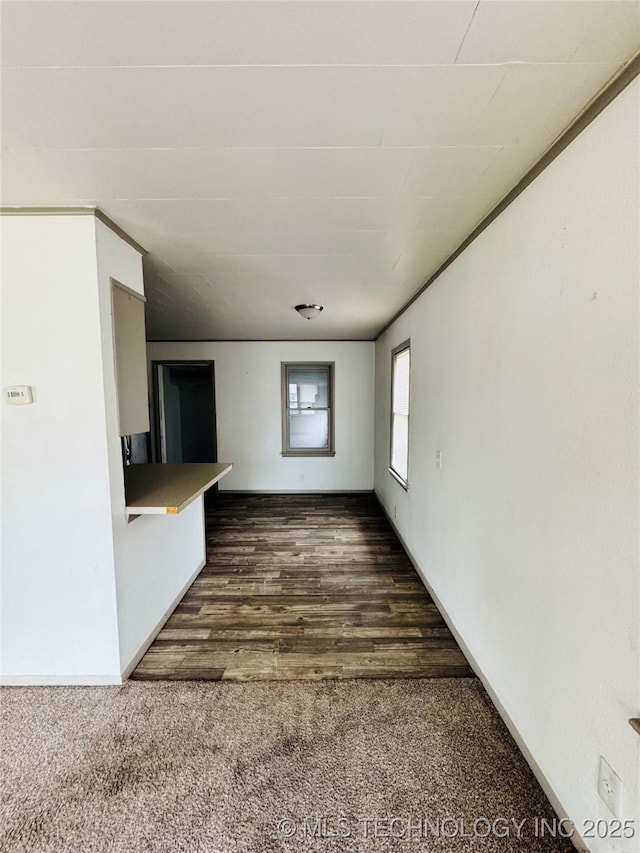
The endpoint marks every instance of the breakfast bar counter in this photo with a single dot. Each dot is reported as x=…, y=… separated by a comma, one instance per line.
x=168, y=489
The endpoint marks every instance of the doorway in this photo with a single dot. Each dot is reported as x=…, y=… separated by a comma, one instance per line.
x=185, y=412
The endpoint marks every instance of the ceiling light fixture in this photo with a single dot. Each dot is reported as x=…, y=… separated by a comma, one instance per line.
x=309, y=311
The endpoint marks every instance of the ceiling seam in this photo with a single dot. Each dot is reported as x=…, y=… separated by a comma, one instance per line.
x=262, y=66
x=464, y=37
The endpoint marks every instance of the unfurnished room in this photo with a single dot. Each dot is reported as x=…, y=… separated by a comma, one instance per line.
x=320, y=447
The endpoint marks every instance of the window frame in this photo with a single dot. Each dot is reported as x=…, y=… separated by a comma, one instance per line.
x=395, y=352
x=287, y=450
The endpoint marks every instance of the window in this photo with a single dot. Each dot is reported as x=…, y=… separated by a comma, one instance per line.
x=400, y=375
x=307, y=409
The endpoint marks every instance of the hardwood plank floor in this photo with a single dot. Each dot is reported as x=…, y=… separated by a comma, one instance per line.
x=303, y=587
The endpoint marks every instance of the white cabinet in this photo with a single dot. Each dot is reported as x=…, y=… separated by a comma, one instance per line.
x=130, y=351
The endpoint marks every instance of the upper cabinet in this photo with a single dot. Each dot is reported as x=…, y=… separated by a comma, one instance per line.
x=131, y=359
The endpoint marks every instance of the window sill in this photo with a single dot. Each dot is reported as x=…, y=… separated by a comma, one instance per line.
x=398, y=478
x=308, y=453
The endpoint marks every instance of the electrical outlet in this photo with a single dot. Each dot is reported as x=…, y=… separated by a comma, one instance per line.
x=610, y=787
x=302, y=478
x=438, y=459
x=395, y=512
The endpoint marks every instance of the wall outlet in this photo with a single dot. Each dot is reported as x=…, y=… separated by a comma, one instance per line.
x=395, y=512
x=438, y=459
x=610, y=787
x=302, y=478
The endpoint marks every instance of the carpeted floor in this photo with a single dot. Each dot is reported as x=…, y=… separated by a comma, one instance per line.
x=265, y=767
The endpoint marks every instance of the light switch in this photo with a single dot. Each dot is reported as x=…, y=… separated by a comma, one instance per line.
x=19, y=395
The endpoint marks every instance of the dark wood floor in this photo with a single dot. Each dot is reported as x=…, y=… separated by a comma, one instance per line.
x=303, y=587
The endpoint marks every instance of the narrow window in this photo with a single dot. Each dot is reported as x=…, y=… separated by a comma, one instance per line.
x=307, y=409
x=400, y=375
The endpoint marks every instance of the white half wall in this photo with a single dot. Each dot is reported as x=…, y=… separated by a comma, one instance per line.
x=156, y=556
x=157, y=559
x=248, y=411
x=525, y=360
x=57, y=584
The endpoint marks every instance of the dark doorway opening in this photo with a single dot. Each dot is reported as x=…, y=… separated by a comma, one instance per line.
x=185, y=413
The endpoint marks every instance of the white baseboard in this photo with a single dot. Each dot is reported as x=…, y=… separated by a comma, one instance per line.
x=135, y=660
x=58, y=680
x=551, y=795
x=296, y=491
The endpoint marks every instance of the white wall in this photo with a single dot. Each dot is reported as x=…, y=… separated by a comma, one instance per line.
x=155, y=556
x=82, y=590
x=248, y=410
x=525, y=376
x=58, y=587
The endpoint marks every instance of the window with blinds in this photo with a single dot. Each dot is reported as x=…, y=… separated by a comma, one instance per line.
x=307, y=409
x=400, y=382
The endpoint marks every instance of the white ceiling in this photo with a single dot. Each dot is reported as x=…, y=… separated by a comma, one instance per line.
x=270, y=153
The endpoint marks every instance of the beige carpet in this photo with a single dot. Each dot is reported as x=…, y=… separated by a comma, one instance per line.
x=193, y=766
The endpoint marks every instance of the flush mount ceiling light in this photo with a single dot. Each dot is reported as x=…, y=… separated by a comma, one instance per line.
x=309, y=311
